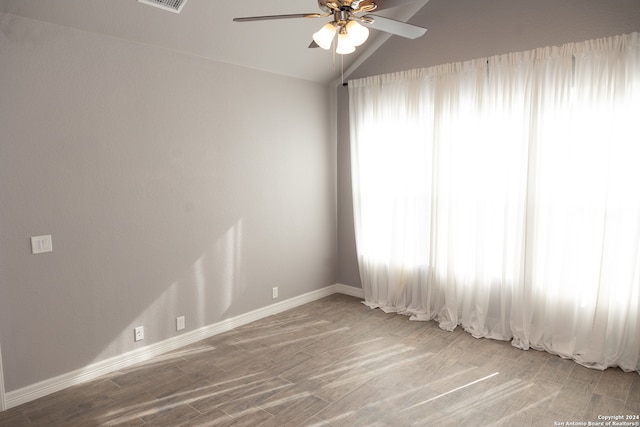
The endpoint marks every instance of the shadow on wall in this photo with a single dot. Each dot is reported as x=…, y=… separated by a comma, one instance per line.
x=216, y=279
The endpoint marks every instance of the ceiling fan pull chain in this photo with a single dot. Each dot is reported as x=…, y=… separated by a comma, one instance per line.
x=333, y=52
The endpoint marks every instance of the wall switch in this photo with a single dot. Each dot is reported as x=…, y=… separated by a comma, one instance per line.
x=41, y=244
x=274, y=292
x=179, y=323
x=138, y=333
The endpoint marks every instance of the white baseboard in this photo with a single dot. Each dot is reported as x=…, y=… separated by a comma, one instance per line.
x=3, y=402
x=349, y=290
x=95, y=370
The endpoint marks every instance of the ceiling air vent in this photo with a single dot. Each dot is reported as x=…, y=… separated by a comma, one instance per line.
x=170, y=5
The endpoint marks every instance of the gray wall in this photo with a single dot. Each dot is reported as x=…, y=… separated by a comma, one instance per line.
x=460, y=30
x=172, y=185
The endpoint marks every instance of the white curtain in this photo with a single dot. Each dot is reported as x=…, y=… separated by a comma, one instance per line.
x=503, y=195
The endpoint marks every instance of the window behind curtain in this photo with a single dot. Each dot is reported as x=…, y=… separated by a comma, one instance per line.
x=503, y=194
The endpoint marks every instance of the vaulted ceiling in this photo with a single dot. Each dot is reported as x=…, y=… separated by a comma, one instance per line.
x=205, y=28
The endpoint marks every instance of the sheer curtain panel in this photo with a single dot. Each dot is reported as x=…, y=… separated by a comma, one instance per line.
x=503, y=195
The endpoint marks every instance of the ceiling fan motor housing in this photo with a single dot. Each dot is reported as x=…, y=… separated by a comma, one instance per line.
x=350, y=6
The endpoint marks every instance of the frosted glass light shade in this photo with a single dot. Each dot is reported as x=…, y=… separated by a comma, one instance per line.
x=358, y=34
x=345, y=45
x=324, y=36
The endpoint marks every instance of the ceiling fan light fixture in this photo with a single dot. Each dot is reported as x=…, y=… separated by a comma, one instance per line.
x=324, y=36
x=358, y=34
x=345, y=45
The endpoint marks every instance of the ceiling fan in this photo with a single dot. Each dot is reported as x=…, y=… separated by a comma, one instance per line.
x=349, y=22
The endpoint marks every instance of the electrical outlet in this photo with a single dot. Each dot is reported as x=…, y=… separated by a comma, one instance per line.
x=138, y=333
x=179, y=323
x=274, y=292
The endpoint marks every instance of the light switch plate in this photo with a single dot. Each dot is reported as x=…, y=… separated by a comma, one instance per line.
x=41, y=244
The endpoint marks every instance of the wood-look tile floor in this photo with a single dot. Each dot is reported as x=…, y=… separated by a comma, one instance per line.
x=335, y=362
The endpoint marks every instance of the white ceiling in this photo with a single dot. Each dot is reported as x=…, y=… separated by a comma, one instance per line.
x=205, y=28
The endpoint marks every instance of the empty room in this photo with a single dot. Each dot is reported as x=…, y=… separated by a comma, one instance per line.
x=319, y=213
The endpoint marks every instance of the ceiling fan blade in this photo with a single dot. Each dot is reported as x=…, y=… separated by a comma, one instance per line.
x=388, y=4
x=392, y=26
x=313, y=44
x=269, y=17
